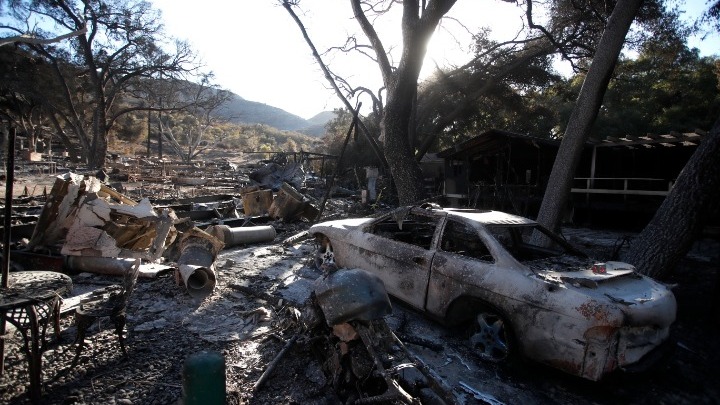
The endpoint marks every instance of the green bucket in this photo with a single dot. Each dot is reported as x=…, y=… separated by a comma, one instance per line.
x=204, y=379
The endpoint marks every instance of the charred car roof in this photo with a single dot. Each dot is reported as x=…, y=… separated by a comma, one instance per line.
x=489, y=217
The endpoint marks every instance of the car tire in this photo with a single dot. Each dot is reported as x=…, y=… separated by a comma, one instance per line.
x=490, y=337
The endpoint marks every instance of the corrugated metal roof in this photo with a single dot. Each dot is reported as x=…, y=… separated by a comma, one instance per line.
x=490, y=141
x=651, y=140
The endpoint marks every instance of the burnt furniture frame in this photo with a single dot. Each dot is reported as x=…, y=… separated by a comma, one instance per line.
x=111, y=302
x=31, y=300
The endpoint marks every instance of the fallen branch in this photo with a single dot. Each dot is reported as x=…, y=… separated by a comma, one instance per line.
x=265, y=375
x=296, y=238
x=435, y=382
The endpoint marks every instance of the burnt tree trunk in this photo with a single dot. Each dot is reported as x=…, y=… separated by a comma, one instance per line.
x=585, y=112
x=404, y=168
x=419, y=20
x=681, y=217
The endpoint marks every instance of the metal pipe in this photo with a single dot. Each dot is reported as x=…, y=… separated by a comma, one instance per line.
x=242, y=235
x=197, y=268
x=100, y=265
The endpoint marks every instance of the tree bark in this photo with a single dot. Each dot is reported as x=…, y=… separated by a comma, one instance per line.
x=680, y=219
x=418, y=24
x=403, y=166
x=585, y=111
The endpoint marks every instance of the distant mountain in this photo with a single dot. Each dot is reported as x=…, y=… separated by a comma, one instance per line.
x=322, y=118
x=317, y=123
x=241, y=111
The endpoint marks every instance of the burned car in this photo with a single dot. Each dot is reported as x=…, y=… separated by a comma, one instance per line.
x=521, y=289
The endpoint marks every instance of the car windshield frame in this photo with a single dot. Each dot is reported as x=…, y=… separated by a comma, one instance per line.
x=524, y=242
x=398, y=216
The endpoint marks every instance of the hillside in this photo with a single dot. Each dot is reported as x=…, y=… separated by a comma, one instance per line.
x=240, y=111
x=317, y=123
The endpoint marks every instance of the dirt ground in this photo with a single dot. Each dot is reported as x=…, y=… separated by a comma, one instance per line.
x=246, y=320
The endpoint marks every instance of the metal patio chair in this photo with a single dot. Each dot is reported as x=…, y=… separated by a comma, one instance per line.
x=111, y=302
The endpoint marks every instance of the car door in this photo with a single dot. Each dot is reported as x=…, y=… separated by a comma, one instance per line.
x=463, y=264
x=400, y=251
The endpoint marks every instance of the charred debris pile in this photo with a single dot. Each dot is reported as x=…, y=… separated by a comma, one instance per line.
x=172, y=215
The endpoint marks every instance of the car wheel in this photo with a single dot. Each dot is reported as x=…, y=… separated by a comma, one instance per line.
x=490, y=337
x=324, y=255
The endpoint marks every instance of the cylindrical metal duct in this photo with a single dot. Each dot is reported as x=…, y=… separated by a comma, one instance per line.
x=197, y=268
x=100, y=265
x=242, y=235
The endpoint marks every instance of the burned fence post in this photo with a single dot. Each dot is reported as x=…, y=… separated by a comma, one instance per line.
x=10, y=173
x=353, y=126
x=204, y=379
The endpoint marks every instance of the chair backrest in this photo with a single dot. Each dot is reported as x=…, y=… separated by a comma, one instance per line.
x=130, y=280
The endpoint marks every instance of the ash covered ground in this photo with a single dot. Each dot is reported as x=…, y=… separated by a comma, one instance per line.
x=246, y=320
x=249, y=319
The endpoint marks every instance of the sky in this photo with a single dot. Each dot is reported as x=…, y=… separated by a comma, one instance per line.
x=256, y=50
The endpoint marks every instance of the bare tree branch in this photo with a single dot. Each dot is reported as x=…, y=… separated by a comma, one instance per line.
x=351, y=45
x=377, y=45
x=328, y=75
x=560, y=47
x=31, y=39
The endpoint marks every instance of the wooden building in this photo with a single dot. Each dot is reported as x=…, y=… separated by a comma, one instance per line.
x=621, y=179
x=630, y=175
x=499, y=170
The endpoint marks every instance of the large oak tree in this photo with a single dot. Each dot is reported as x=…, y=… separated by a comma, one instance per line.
x=419, y=20
x=418, y=23
x=101, y=71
